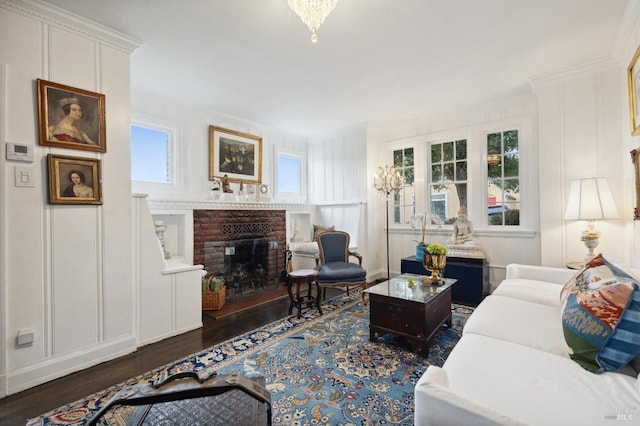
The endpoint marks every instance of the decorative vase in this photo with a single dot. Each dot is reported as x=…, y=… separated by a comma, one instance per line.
x=434, y=263
x=420, y=248
x=214, y=194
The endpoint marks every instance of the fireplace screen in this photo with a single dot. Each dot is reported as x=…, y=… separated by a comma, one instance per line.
x=249, y=266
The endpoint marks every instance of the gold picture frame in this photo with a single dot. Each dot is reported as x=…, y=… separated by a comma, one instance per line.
x=235, y=154
x=74, y=180
x=70, y=117
x=635, y=158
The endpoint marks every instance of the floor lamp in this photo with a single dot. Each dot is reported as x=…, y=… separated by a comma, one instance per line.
x=388, y=181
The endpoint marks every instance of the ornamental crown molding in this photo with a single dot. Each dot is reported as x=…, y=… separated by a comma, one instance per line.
x=68, y=21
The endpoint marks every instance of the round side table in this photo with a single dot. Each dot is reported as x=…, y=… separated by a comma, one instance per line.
x=302, y=276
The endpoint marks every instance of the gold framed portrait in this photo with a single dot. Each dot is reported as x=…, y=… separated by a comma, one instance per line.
x=69, y=117
x=74, y=180
x=235, y=154
x=635, y=158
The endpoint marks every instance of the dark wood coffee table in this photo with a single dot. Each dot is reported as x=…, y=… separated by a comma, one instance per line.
x=415, y=313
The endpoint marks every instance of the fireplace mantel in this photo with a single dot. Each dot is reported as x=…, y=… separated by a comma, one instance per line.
x=157, y=205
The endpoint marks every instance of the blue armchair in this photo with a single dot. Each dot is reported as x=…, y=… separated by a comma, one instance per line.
x=332, y=262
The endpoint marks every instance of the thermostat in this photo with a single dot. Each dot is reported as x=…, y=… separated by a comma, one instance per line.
x=19, y=152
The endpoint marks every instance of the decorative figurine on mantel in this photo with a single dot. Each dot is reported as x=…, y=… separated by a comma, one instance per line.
x=462, y=242
x=225, y=185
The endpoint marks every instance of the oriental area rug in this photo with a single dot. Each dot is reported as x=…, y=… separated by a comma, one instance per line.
x=319, y=369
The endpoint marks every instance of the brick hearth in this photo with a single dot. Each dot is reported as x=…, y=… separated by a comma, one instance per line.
x=213, y=229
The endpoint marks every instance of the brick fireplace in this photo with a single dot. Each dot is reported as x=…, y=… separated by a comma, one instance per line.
x=246, y=247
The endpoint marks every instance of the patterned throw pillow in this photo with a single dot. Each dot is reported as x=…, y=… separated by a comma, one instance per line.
x=317, y=229
x=601, y=316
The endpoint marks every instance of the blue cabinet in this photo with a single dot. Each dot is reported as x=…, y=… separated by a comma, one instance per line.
x=472, y=276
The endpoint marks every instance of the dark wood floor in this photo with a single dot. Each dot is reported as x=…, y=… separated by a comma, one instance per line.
x=16, y=409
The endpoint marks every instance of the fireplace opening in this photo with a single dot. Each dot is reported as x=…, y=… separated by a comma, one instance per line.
x=246, y=248
x=250, y=265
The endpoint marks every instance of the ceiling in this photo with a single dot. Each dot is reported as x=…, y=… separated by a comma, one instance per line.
x=375, y=61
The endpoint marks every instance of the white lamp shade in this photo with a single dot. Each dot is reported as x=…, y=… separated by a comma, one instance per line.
x=590, y=199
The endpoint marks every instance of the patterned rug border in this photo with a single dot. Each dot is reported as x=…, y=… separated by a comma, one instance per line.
x=229, y=351
x=290, y=325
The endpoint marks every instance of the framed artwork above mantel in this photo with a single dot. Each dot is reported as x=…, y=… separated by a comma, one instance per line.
x=235, y=154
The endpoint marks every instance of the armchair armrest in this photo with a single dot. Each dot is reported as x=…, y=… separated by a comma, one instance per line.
x=356, y=255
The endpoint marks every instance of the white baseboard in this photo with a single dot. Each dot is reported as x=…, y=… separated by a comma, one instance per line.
x=56, y=367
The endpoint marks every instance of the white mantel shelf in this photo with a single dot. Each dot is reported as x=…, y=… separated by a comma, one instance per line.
x=158, y=205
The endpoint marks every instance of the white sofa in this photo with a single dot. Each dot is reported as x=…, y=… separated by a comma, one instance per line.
x=512, y=365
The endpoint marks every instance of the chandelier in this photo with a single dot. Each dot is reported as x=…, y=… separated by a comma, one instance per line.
x=313, y=13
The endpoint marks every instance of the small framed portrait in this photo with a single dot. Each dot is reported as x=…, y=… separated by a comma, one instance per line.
x=235, y=154
x=74, y=180
x=70, y=117
x=635, y=158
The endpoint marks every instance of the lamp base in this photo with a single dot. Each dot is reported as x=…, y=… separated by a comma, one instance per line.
x=590, y=240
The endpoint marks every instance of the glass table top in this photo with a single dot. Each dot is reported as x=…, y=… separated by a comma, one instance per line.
x=400, y=287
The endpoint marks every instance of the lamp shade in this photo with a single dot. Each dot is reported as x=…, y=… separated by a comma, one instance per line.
x=590, y=199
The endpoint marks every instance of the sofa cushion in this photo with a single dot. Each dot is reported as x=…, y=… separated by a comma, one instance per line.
x=542, y=292
x=534, y=387
x=601, y=316
x=519, y=321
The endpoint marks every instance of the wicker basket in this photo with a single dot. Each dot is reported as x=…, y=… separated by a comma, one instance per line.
x=214, y=300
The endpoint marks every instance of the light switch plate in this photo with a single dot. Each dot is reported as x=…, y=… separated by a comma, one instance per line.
x=24, y=176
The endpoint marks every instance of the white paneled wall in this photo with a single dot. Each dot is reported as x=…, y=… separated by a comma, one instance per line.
x=581, y=136
x=67, y=274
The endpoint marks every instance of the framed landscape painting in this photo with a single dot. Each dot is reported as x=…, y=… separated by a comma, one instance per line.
x=235, y=154
x=70, y=117
x=74, y=180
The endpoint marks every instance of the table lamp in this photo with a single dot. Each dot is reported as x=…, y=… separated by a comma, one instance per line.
x=590, y=199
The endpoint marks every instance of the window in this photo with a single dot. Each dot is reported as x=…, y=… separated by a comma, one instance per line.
x=289, y=173
x=503, y=178
x=404, y=200
x=448, y=184
x=150, y=149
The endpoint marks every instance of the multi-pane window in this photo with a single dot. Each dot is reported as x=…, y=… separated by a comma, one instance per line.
x=404, y=200
x=150, y=149
x=503, y=176
x=448, y=183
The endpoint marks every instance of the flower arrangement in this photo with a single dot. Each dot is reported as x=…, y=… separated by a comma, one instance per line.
x=436, y=249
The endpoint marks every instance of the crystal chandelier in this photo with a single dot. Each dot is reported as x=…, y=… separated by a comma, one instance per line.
x=313, y=13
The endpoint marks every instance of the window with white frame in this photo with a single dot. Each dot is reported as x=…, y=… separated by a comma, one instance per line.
x=289, y=173
x=150, y=154
x=448, y=180
x=503, y=178
x=404, y=200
